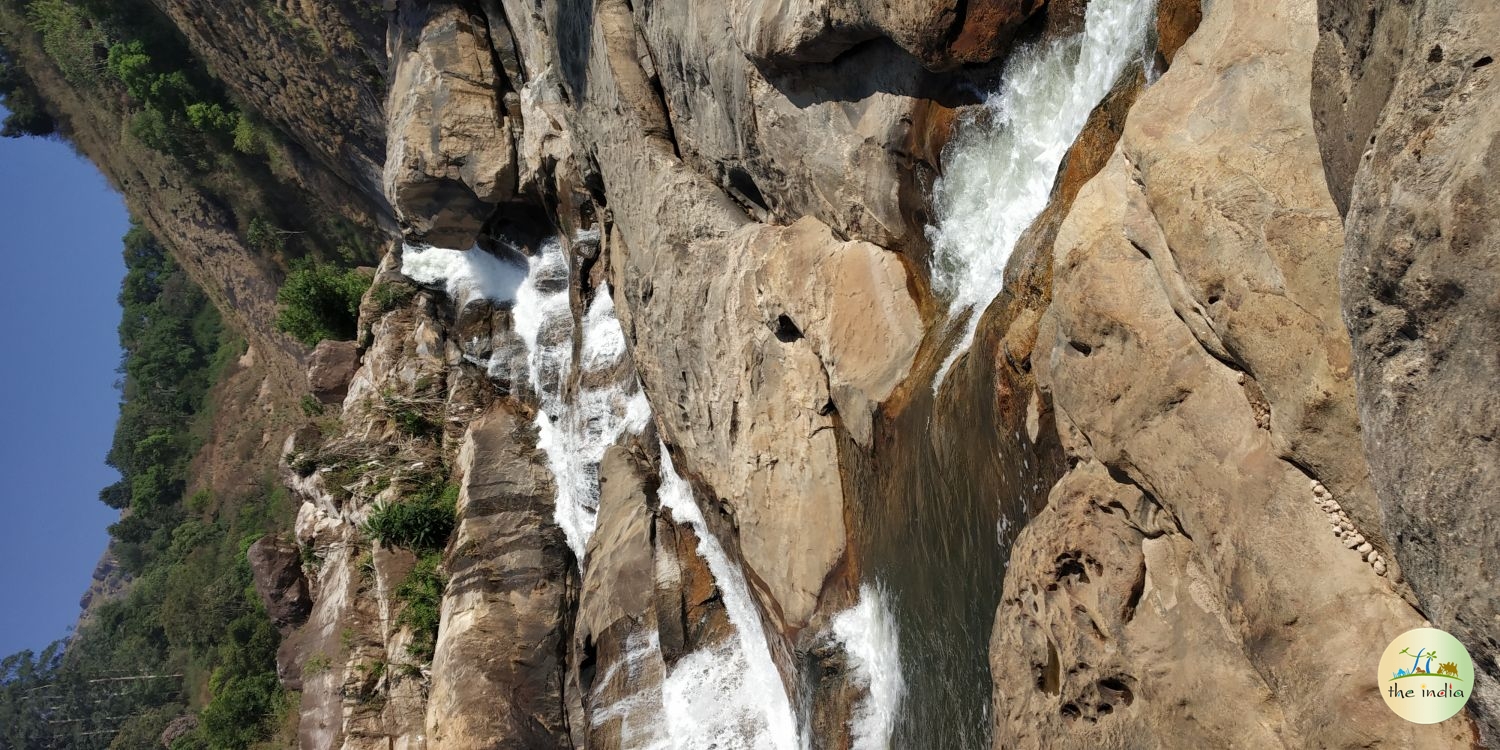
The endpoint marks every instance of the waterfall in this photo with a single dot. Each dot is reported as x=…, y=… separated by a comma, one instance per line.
x=575, y=426
x=867, y=632
x=466, y=275
x=998, y=170
x=730, y=696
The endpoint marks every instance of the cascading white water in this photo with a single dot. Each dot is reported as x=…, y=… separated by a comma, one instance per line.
x=575, y=426
x=728, y=697
x=640, y=711
x=868, y=633
x=466, y=275
x=998, y=170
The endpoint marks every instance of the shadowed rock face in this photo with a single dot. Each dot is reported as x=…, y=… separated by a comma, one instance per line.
x=1416, y=151
x=276, y=565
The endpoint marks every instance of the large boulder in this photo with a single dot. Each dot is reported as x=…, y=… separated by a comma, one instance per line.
x=276, y=566
x=450, y=157
x=1162, y=595
x=331, y=368
x=1417, y=101
x=497, y=675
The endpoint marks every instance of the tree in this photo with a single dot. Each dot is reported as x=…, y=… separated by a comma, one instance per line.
x=318, y=302
x=28, y=115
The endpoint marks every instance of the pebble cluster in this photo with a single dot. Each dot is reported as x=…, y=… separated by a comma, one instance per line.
x=1343, y=528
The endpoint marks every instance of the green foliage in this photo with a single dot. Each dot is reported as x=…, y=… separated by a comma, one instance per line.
x=248, y=138
x=316, y=664
x=318, y=301
x=71, y=37
x=212, y=118
x=191, y=611
x=175, y=106
x=171, y=336
x=144, y=730
x=421, y=522
x=389, y=295
x=264, y=236
x=421, y=596
x=28, y=115
x=311, y=406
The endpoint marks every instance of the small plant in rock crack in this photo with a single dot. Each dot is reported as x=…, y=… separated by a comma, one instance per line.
x=389, y=295
x=317, y=664
x=311, y=406
x=410, y=415
x=422, y=522
x=421, y=595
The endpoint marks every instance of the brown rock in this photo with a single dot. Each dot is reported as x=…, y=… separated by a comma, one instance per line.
x=498, y=672
x=988, y=26
x=330, y=369
x=1176, y=20
x=450, y=157
x=939, y=33
x=276, y=565
x=1194, y=257
x=1421, y=293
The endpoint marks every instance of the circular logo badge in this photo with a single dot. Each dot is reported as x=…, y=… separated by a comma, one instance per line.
x=1425, y=676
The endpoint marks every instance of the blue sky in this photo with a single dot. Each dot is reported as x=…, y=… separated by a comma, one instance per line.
x=60, y=246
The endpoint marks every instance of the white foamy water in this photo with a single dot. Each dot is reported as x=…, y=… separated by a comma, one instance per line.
x=466, y=275
x=868, y=633
x=998, y=171
x=640, y=711
x=577, y=421
x=729, y=697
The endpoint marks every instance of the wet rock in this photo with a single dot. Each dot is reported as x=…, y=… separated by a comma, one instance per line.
x=1176, y=20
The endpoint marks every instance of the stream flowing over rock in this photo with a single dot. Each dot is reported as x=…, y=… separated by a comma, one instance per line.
x=855, y=375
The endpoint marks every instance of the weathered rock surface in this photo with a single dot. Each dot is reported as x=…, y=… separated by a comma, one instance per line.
x=749, y=181
x=314, y=68
x=1177, y=546
x=498, y=670
x=450, y=157
x=276, y=565
x=941, y=34
x=330, y=369
x=1421, y=294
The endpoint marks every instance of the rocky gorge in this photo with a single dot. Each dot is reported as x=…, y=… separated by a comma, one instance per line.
x=852, y=374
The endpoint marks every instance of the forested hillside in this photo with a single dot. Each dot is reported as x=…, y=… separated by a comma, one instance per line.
x=190, y=631
x=189, y=636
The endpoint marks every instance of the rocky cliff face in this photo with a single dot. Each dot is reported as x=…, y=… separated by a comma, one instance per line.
x=1419, y=96
x=748, y=187
x=667, y=315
